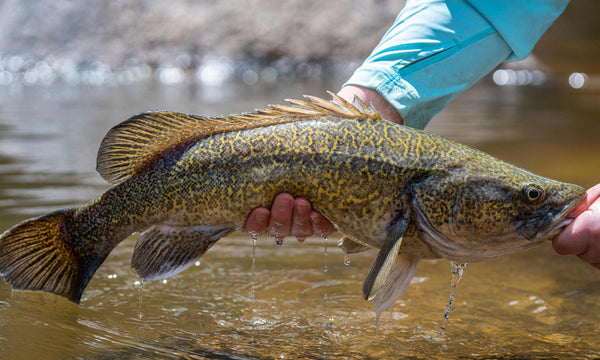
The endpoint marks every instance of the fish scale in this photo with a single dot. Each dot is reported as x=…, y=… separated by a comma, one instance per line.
x=186, y=181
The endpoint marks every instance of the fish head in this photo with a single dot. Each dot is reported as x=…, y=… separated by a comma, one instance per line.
x=471, y=216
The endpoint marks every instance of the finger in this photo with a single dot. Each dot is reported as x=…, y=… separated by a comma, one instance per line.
x=257, y=221
x=591, y=235
x=281, y=216
x=570, y=241
x=301, y=227
x=371, y=97
x=321, y=226
x=580, y=237
x=591, y=195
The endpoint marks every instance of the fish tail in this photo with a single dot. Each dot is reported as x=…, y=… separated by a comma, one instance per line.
x=39, y=254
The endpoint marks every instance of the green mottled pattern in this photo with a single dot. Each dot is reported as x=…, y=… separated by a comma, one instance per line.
x=360, y=174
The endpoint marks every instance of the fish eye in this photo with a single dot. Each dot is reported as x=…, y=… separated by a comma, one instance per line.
x=533, y=192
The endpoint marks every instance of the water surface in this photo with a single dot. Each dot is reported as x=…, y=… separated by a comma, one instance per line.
x=534, y=304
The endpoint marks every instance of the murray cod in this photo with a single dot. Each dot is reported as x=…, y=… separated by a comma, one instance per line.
x=187, y=181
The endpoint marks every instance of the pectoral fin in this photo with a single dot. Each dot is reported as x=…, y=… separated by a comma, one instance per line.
x=352, y=247
x=396, y=283
x=376, y=278
x=166, y=250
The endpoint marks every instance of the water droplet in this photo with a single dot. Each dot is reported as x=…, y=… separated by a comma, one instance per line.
x=140, y=314
x=457, y=273
x=325, y=239
x=346, y=260
x=253, y=268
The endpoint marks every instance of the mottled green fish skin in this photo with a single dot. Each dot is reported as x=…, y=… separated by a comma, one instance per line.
x=364, y=174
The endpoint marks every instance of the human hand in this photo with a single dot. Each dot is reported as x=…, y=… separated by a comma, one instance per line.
x=582, y=236
x=288, y=216
x=370, y=96
x=294, y=216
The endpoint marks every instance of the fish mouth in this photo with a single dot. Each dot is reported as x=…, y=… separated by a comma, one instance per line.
x=554, y=222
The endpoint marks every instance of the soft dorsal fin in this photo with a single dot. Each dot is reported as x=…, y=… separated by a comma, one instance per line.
x=127, y=147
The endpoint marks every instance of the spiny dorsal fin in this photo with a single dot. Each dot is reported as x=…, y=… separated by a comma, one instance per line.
x=130, y=145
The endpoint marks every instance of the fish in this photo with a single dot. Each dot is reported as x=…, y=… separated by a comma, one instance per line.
x=186, y=181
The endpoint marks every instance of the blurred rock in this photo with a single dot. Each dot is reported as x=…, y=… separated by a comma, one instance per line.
x=158, y=32
x=181, y=33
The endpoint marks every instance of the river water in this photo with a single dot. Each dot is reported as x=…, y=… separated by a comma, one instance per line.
x=533, y=304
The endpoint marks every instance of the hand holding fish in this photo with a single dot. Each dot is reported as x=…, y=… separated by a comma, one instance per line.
x=582, y=236
x=294, y=217
x=288, y=217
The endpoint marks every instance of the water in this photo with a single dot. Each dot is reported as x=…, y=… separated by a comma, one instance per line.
x=533, y=304
x=325, y=239
x=347, y=260
x=253, y=269
x=456, y=275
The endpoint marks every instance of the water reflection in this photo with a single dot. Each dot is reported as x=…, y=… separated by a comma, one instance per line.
x=578, y=80
x=272, y=304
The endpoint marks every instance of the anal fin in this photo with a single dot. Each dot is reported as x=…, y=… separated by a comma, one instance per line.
x=166, y=250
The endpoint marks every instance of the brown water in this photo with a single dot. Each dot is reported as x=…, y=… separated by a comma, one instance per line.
x=534, y=304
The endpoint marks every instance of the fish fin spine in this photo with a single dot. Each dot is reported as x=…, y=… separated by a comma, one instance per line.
x=38, y=254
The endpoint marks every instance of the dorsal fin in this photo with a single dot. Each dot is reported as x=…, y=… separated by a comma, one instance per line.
x=127, y=147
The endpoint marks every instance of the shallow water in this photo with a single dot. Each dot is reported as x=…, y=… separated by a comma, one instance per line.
x=533, y=304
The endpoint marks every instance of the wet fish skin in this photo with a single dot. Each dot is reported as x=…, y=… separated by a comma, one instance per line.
x=188, y=181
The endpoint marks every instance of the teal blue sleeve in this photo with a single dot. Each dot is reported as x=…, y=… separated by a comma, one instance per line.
x=521, y=23
x=436, y=49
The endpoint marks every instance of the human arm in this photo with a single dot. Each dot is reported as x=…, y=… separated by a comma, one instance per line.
x=433, y=51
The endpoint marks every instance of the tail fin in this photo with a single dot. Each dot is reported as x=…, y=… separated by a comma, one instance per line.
x=38, y=254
